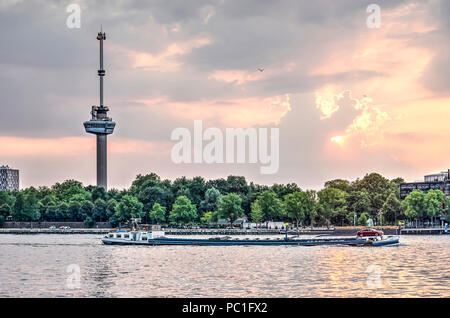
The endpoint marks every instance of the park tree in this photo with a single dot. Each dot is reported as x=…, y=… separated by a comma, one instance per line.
x=197, y=189
x=331, y=203
x=63, y=211
x=295, y=206
x=282, y=190
x=97, y=193
x=447, y=206
x=5, y=211
x=271, y=206
x=311, y=209
x=340, y=184
x=111, y=206
x=211, y=201
x=48, y=207
x=99, y=212
x=7, y=198
x=86, y=209
x=415, y=205
x=257, y=214
x=128, y=208
x=183, y=211
x=151, y=195
x=158, y=213
x=209, y=217
x=26, y=206
x=377, y=187
x=433, y=203
x=74, y=211
x=230, y=207
x=89, y=221
x=220, y=184
x=113, y=194
x=142, y=182
x=237, y=185
x=358, y=202
x=180, y=187
x=363, y=218
x=391, y=208
x=70, y=188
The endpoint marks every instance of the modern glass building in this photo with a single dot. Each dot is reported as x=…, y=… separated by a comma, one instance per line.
x=9, y=179
x=438, y=181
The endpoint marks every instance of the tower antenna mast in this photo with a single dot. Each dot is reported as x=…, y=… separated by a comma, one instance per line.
x=100, y=124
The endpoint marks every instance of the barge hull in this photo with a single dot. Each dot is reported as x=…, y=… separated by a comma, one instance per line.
x=227, y=242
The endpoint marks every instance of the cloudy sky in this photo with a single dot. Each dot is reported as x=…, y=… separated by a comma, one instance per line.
x=347, y=99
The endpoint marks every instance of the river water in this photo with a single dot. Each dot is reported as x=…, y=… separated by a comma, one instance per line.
x=80, y=266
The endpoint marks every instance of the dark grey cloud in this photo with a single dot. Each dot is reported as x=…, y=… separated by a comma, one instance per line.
x=436, y=76
x=48, y=72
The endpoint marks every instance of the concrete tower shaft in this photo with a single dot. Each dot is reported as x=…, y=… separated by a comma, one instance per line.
x=100, y=124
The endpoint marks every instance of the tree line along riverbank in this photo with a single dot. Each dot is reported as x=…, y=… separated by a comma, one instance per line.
x=186, y=201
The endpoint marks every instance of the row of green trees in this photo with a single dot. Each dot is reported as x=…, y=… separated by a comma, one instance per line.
x=187, y=201
x=419, y=206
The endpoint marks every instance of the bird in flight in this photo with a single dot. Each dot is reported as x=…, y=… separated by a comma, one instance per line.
x=261, y=69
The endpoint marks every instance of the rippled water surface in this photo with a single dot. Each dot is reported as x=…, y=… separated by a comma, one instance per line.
x=46, y=266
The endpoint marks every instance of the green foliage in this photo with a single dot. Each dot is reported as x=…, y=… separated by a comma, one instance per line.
x=183, y=211
x=434, y=203
x=363, y=218
x=231, y=197
x=230, y=207
x=158, y=213
x=378, y=189
x=26, y=206
x=359, y=201
x=5, y=211
x=89, y=221
x=415, y=205
x=209, y=217
x=257, y=214
x=270, y=205
x=296, y=206
x=86, y=209
x=211, y=201
x=99, y=211
x=391, y=208
x=7, y=198
x=332, y=203
x=339, y=184
x=128, y=208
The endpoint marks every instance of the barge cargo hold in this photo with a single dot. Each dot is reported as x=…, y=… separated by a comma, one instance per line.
x=155, y=238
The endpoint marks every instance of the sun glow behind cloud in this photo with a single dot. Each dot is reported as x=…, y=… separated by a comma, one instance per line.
x=338, y=140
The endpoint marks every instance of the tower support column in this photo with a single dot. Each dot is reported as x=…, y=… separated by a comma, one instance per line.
x=102, y=165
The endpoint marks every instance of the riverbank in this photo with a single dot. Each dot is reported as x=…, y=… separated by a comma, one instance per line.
x=57, y=231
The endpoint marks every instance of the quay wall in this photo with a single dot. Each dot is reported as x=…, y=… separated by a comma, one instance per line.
x=426, y=231
x=46, y=225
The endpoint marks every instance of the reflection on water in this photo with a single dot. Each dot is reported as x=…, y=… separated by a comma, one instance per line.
x=37, y=266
